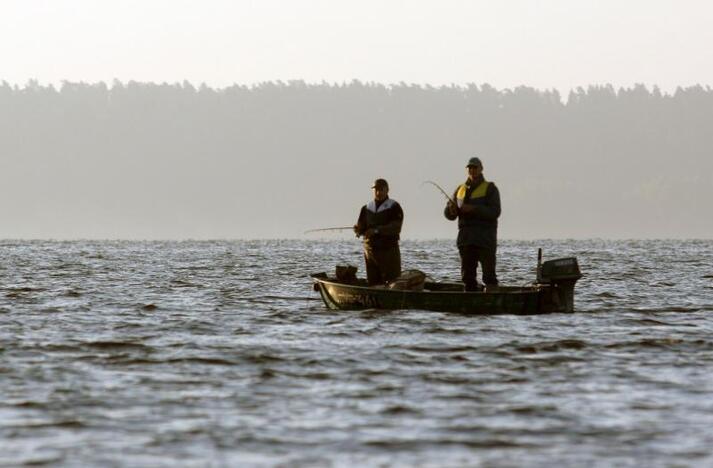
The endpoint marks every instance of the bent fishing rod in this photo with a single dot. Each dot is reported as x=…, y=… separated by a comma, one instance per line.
x=439, y=189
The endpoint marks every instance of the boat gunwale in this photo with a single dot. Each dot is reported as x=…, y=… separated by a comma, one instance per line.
x=534, y=289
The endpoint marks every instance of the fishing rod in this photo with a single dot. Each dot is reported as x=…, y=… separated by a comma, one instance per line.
x=440, y=189
x=340, y=228
x=344, y=228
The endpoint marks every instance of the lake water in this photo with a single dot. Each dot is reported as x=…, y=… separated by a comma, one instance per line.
x=221, y=354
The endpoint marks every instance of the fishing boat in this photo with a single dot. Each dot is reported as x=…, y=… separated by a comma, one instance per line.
x=552, y=291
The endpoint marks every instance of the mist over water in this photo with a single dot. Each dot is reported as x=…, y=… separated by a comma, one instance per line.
x=187, y=353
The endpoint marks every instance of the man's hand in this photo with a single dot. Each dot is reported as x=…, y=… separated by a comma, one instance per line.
x=467, y=209
x=357, y=230
x=452, y=208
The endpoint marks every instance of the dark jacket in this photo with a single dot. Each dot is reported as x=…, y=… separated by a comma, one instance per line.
x=387, y=217
x=479, y=228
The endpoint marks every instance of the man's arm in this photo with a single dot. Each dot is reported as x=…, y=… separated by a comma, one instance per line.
x=393, y=227
x=360, y=226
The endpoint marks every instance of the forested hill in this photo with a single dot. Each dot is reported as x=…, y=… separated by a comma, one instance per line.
x=138, y=160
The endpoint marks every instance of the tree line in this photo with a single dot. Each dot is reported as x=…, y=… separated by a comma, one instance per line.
x=178, y=160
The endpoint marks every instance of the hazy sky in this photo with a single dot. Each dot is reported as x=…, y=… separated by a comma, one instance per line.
x=546, y=44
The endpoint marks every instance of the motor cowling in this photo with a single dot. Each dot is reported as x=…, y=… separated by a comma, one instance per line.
x=560, y=275
x=558, y=271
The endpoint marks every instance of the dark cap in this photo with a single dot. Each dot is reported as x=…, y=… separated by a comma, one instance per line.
x=380, y=183
x=474, y=162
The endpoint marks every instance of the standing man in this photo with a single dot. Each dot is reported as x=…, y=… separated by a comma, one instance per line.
x=477, y=207
x=380, y=223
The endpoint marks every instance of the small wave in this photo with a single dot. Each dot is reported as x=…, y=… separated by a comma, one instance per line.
x=24, y=289
x=552, y=346
x=14, y=293
x=94, y=256
x=606, y=295
x=398, y=410
x=418, y=444
x=128, y=361
x=117, y=346
x=316, y=376
x=59, y=347
x=178, y=283
x=28, y=404
x=647, y=322
x=683, y=309
x=68, y=266
x=199, y=360
x=437, y=329
x=656, y=343
x=261, y=358
x=448, y=379
x=438, y=349
x=267, y=374
x=65, y=424
x=122, y=326
x=36, y=460
x=263, y=299
x=531, y=410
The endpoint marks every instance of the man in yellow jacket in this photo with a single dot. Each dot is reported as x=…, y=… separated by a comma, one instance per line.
x=476, y=204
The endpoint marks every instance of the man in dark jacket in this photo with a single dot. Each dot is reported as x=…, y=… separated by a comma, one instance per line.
x=380, y=223
x=476, y=204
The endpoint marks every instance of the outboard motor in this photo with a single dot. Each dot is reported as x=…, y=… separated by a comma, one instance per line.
x=561, y=274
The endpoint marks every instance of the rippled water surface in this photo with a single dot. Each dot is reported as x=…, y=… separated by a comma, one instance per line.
x=220, y=354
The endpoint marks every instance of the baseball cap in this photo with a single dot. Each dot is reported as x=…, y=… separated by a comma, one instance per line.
x=380, y=183
x=474, y=162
